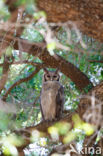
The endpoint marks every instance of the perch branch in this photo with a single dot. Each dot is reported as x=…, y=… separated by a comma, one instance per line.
x=42, y=126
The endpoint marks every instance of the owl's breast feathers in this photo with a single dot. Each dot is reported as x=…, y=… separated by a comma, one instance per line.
x=55, y=85
x=52, y=100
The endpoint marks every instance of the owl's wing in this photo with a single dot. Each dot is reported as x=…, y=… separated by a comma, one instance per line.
x=60, y=102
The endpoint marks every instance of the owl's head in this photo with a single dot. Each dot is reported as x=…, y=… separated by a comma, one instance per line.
x=51, y=75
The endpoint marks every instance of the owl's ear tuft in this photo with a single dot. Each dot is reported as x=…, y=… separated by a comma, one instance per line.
x=57, y=71
x=45, y=70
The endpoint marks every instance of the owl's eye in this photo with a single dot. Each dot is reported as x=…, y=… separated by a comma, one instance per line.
x=48, y=76
x=54, y=76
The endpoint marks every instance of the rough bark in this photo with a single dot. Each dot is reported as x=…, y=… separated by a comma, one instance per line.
x=88, y=15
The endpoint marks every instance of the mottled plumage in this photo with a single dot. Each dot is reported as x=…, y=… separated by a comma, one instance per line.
x=52, y=96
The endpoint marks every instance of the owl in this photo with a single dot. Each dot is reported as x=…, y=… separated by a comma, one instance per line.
x=52, y=96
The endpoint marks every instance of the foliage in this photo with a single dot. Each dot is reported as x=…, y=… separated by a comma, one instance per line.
x=26, y=96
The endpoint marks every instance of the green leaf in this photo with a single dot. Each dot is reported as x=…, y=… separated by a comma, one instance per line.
x=102, y=73
x=9, y=51
x=39, y=14
x=51, y=46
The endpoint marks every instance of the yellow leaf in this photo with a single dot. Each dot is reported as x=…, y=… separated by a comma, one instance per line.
x=53, y=131
x=63, y=127
x=9, y=51
x=39, y=14
x=51, y=45
x=89, y=129
x=69, y=137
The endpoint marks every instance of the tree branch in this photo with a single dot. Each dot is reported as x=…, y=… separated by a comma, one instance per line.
x=5, y=72
x=83, y=13
x=95, y=61
x=27, y=62
x=21, y=81
x=42, y=126
x=56, y=61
